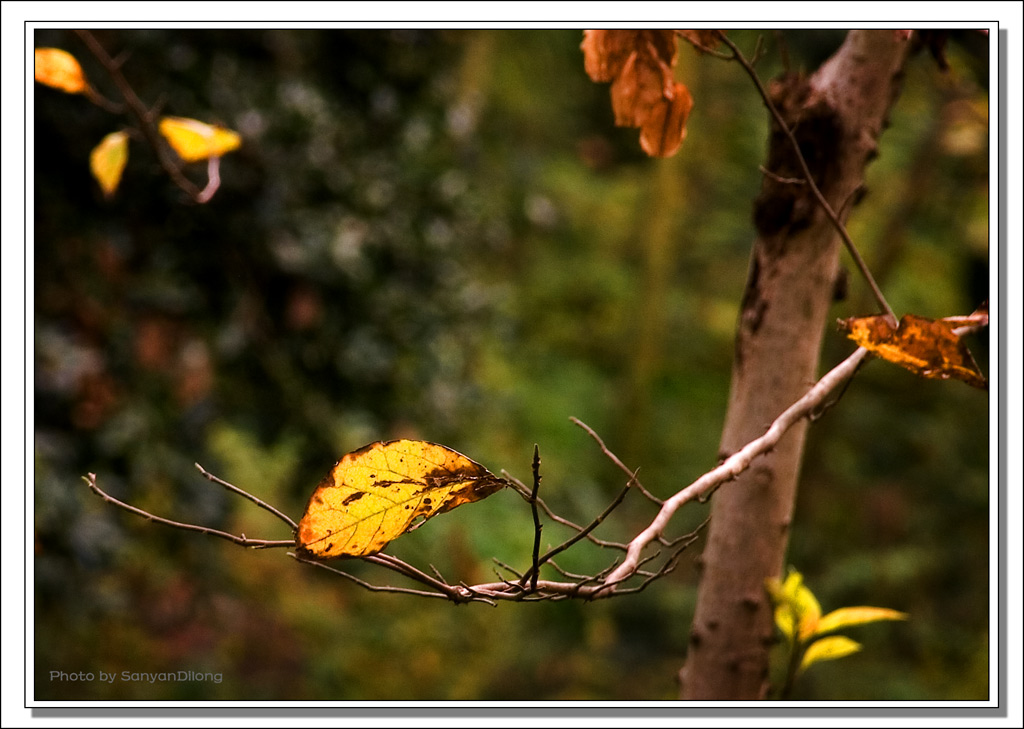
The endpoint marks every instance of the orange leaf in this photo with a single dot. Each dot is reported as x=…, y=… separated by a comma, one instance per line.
x=193, y=140
x=107, y=161
x=60, y=70
x=927, y=347
x=644, y=93
x=376, y=493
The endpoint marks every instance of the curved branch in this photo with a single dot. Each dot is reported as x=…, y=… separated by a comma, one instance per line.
x=736, y=463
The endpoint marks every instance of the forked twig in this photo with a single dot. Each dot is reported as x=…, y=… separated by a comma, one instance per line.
x=241, y=540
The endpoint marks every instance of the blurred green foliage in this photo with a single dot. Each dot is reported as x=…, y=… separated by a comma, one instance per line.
x=440, y=234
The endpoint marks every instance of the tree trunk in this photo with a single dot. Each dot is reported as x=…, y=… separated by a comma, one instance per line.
x=837, y=115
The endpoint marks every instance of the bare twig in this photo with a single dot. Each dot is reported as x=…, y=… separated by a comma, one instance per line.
x=245, y=494
x=241, y=540
x=506, y=567
x=738, y=56
x=615, y=459
x=534, y=572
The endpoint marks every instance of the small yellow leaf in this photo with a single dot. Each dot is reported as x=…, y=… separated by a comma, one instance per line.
x=193, y=140
x=107, y=161
x=376, y=493
x=808, y=611
x=828, y=649
x=844, y=617
x=60, y=70
x=785, y=617
x=796, y=609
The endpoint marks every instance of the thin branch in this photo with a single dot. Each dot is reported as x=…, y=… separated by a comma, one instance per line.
x=615, y=459
x=779, y=178
x=507, y=567
x=812, y=185
x=378, y=588
x=534, y=573
x=259, y=502
x=398, y=565
x=145, y=118
x=690, y=537
x=783, y=50
x=739, y=461
x=572, y=575
x=241, y=540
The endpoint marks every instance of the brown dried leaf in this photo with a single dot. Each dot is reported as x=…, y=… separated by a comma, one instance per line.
x=605, y=53
x=665, y=127
x=927, y=347
x=644, y=92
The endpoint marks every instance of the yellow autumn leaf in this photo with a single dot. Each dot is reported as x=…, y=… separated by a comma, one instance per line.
x=193, y=140
x=927, y=347
x=845, y=617
x=107, y=161
x=378, y=493
x=828, y=649
x=796, y=608
x=60, y=70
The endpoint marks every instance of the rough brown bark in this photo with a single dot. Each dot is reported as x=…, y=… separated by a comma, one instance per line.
x=837, y=115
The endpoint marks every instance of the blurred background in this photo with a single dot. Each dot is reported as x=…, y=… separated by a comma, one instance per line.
x=441, y=235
